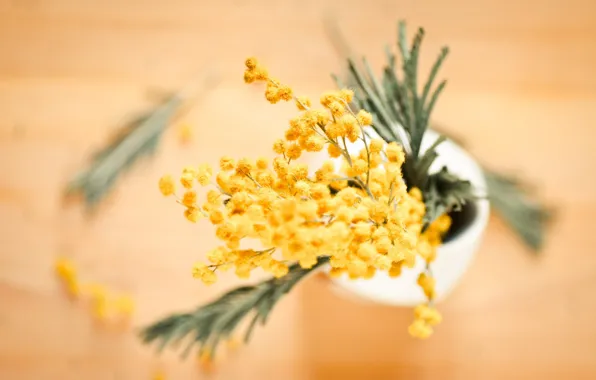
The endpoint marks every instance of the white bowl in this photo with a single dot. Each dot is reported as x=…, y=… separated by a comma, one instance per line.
x=453, y=257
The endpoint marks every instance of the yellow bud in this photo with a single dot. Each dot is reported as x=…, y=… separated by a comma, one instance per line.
x=409, y=258
x=216, y=216
x=383, y=244
x=322, y=117
x=279, y=146
x=261, y=73
x=187, y=180
x=249, y=76
x=347, y=95
x=416, y=193
x=336, y=108
x=302, y=102
x=302, y=188
x=335, y=130
x=328, y=97
x=357, y=268
x=166, y=185
x=192, y=214
x=344, y=214
x=395, y=270
x=314, y=143
x=364, y=118
x=285, y=93
x=334, y=151
x=366, y=251
x=376, y=145
x=382, y=262
x=213, y=197
x=209, y=277
x=244, y=166
x=262, y=163
x=395, y=153
x=429, y=314
x=359, y=166
x=294, y=151
x=307, y=262
x=348, y=121
x=396, y=254
x=375, y=160
x=443, y=223
x=251, y=63
x=336, y=272
x=419, y=329
x=370, y=272
x=227, y=163
x=348, y=196
x=189, y=199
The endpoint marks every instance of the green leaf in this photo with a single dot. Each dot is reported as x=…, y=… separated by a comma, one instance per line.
x=412, y=83
x=511, y=201
x=390, y=58
x=424, y=163
x=137, y=138
x=400, y=97
x=402, y=40
x=433, y=100
x=444, y=193
x=376, y=86
x=433, y=73
x=372, y=97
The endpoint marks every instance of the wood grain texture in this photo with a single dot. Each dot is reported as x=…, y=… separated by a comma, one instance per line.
x=522, y=92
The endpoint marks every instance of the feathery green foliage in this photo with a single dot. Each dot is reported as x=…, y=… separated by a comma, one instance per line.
x=138, y=138
x=208, y=325
x=402, y=113
x=511, y=200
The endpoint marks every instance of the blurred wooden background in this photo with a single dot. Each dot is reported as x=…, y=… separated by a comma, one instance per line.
x=522, y=92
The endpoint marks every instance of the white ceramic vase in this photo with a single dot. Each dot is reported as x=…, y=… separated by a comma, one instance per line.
x=453, y=257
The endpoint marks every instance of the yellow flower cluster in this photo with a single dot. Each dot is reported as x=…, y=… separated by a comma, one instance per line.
x=359, y=214
x=425, y=315
x=275, y=91
x=103, y=305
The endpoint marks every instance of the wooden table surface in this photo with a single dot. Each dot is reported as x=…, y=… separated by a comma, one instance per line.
x=522, y=92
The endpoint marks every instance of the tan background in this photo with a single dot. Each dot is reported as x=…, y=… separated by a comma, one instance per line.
x=522, y=92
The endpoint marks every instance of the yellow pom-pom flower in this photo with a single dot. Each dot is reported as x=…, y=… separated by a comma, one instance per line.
x=192, y=214
x=364, y=117
x=166, y=185
x=251, y=63
x=303, y=103
x=420, y=329
x=227, y=163
x=428, y=314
